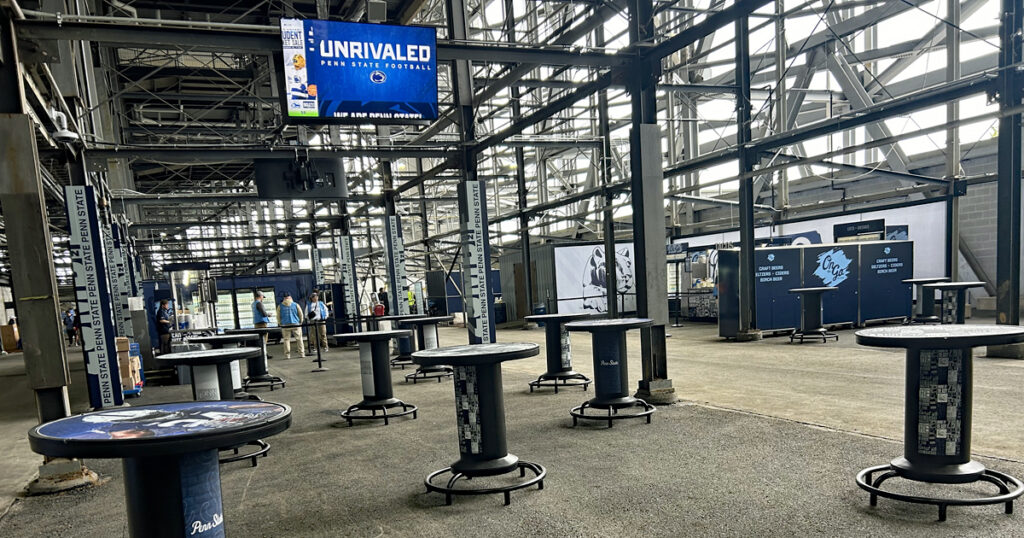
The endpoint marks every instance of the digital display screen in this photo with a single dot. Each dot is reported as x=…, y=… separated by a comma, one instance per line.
x=356, y=72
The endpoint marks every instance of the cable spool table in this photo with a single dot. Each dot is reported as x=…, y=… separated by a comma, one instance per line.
x=425, y=329
x=611, y=375
x=223, y=341
x=937, y=412
x=169, y=455
x=558, y=352
x=375, y=374
x=480, y=412
x=810, y=315
x=211, y=380
x=257, y=375
x=924, y=311
x=954, y=299
x=405, y=348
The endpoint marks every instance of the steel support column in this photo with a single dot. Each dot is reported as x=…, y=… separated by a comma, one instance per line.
x=648, y=204
x=1008, y=205
x=747, y=158
x=524, y=218
x=33, y=278
x=476, y=252
x=608, y=219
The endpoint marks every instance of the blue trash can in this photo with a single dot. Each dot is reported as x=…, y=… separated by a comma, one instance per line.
x=540, y=309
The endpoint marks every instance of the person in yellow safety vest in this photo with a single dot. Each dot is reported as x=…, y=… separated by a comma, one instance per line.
x=412, y=301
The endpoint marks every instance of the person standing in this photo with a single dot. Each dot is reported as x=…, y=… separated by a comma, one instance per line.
x=383, y=297
x=260, y=318
x=317, y=312
x=290, y=318
x=69, y=325
x=164, y=315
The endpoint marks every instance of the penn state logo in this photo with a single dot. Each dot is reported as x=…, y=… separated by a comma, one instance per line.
x=771, y=257
x=887, y=250
x=378, y=77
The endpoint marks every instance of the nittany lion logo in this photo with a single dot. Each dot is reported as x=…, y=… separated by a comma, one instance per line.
x=378, y=77
x=771, y=257
x=887, y=250
x=595, y=285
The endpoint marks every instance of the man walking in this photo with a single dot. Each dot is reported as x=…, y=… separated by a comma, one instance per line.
x=316, y=312
x=164, y=315
x=290, y=318
x=260, y=318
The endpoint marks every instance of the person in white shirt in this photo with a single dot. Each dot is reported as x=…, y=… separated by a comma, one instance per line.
x=316, y=311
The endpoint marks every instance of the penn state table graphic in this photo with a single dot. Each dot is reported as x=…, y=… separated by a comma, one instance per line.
x=169, y=455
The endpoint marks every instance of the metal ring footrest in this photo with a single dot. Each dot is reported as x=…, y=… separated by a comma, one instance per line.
x=349, y=414
x=613, y=412
x=550, y=380
x=449, y=489
x=420, y=375
x=261, y=452
x=262, y=382
x=824, y=336
x=401, y=362
x=1001, y=480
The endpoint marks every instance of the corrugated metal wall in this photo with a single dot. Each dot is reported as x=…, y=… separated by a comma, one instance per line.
x=544, y=261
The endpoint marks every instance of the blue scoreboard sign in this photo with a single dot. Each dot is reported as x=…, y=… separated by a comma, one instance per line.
x=355, y=72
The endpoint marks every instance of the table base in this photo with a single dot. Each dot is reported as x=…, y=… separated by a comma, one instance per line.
x=429, y=372
x=350, y=414
x=402, y=361
x=450, y=490
x=922, y=320
x=262, y=382
x=613, y=410
x=262, y=447
x=563, y=379
x=867, y=482
x=812, y=334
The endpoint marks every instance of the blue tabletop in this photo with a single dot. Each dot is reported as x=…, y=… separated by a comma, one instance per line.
x=159, y=429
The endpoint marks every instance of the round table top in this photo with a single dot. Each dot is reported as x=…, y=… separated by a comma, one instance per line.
x=370, y=336
x=819, y=289
x=954, y=285
x=568, y=316
x=941, y=336
x=209, y=356
x=160, y=429
x=432, y=320
x=615, y=324
x=475, y=354
x=400, y=317
x=234, y=338
x=925, y=280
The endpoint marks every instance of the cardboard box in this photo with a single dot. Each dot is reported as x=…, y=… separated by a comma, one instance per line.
x=9, y=333
x=122, y=344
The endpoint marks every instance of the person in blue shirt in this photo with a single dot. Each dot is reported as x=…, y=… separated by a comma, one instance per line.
x=290, y=318
x=69, y=325
x=164, y=317
x=316, y=311
x=260, y=318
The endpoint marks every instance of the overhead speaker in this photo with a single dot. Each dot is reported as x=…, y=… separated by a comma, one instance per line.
x=376, y=11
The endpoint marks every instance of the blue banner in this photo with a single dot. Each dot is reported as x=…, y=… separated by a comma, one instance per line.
x=357, y=71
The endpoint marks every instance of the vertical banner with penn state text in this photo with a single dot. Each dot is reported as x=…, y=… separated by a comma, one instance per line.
x=316, y=263
x=396, y=266
x=476, y=262
x=93, y=297
x=119, y=263
x=348, y=276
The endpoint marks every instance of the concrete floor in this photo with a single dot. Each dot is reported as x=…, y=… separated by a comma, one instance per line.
x=766, y=441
